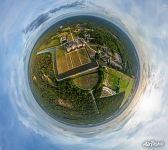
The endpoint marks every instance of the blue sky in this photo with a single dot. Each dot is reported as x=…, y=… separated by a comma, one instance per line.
x=23, y=126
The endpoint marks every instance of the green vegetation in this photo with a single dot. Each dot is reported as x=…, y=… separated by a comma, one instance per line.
x=70, y=100
x=50, y=42
x=109, y=105
x=118, y=81
x=48, y=95
x=86, y=82
x=60, y=52
x=100, y=34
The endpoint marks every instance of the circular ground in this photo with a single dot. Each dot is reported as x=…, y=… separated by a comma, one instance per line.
x=73, y=65
x=86, y=82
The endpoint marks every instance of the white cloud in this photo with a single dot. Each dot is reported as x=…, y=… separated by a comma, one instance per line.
x=149, y=30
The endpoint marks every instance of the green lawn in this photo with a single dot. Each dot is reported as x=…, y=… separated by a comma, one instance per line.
x=60, y=52
x=86, y=82
x=49, y=43
x=114, y=79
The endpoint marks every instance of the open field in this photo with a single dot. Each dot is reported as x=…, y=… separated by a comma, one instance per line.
x=61, y=60
x=71, y=60
x=118, y=81
x=62, y=34
x=49, y=43
x=128, y=89
x=86, y=82
x=111, y=81
x=75, y=59
x=83, y=56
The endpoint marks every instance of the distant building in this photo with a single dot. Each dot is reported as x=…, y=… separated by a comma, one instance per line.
x=115, y=62
x=61, y=27
x=104, y=49
x=73, y=45
x=78, y=28
x=117, y=58
x=87, y=37
x=63, y=40
x=106, y=92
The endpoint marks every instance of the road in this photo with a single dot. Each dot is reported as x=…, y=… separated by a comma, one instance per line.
x=48, y=50
x=95, y=105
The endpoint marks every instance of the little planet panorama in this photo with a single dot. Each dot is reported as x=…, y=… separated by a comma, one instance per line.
x=83, y=71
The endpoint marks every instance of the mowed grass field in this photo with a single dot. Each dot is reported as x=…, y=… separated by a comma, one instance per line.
x=67, y=61
x=61, y=60
x=114, y=79
x=86, y=82
x=51, y=42
x=76, y=61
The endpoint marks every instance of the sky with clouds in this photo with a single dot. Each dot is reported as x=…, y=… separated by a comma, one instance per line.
x=24, y=126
